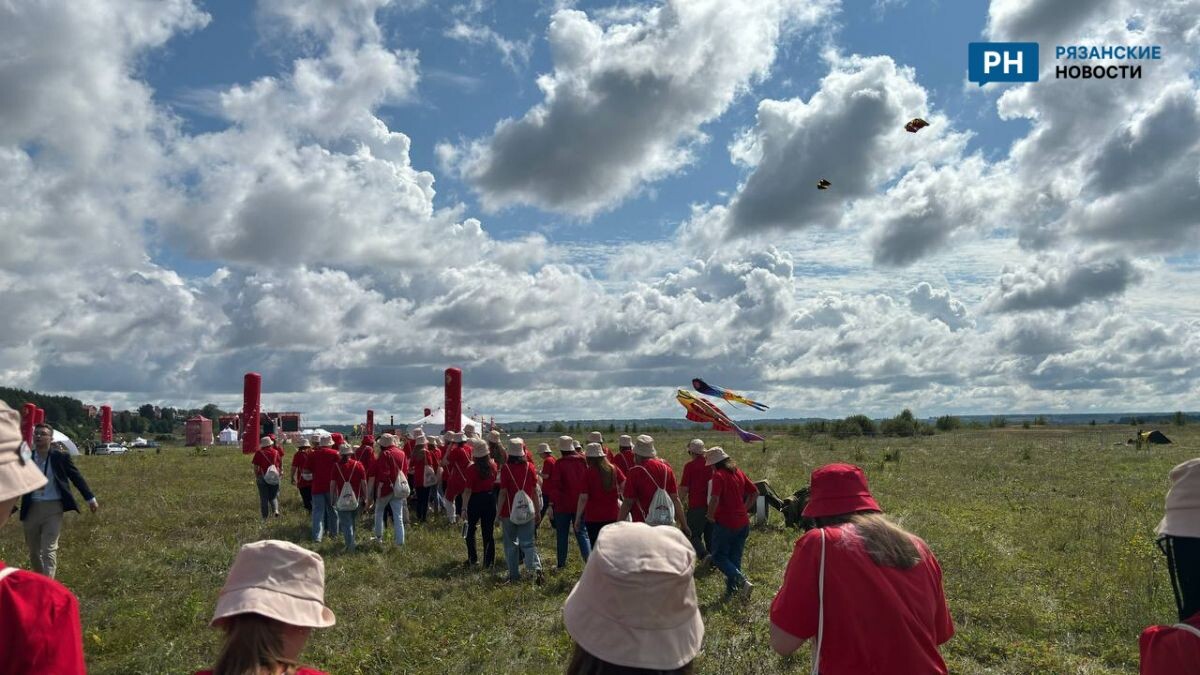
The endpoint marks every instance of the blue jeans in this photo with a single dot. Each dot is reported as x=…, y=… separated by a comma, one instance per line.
x=728, y=546
x=346, y=525
x=323, y=517
x=522, y=536
x=562, y=527
x=268, y=497
x=397, y=518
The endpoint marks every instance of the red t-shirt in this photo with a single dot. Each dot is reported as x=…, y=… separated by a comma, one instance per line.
x=264, y=458
x=643, y=480
x=695, y=478
x=602, y=505
x=41, y=630
x=321, y=462
x=624, y=460
x=548, y=463
x=1167, y=650
x=390, y=464
x=877, y=619
x=478, y=485
x=349, y=471
x=515, y=477
x=365, y=454
x=731, y=489
x=567, y=482
x=458, y=461
x=300, y=466
x=420, y=457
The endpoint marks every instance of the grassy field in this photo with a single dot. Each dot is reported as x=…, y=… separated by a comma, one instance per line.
x=1045, y=537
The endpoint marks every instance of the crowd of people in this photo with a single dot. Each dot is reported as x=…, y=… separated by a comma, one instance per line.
x=866, y=593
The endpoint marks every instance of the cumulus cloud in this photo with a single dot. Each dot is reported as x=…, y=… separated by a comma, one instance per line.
x=1060, y=282
x=625, y=102
x=938, y=304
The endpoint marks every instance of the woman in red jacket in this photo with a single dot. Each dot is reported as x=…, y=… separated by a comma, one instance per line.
x=867, y=590
x=600, y=498
x=1175, y=650
x=481, y=505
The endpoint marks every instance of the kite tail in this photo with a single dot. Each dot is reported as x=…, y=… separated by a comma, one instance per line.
x=748, y=436
x=758, y=406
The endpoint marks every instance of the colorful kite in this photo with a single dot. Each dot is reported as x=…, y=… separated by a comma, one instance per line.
x=703, y=411
x=705, y=388
x=823, y=184
x=915, y=124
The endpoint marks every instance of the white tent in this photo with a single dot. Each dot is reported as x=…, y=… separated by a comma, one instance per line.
x=67, y=443
x=139, y=442
x=434, y=422
x=227, y=436
x=310, y=434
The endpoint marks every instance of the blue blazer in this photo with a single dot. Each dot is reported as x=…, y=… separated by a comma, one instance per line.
x=64, y=470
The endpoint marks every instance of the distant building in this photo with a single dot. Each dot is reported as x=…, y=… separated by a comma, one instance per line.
x=198, y=430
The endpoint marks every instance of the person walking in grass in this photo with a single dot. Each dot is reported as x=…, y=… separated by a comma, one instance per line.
x=321, y=463
x=567, y=481
x=42, y=510
x=868, y=591
x=732, y=495
x=454, y=469
x=597, y=437
x=624, y=459
x=266, y=477
x=548, y=462
x=272, y=600
x=40, y=617
x=649, y=476
x=634, y=609
x=519, y=512
x=693, y=493
x=348, y=472
x=481, y=503
x=1175, y=649
x=390, y=471
x=600, y=499
x=301, y=474
x=425, y=470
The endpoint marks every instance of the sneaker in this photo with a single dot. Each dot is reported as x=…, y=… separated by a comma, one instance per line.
x=746, y=589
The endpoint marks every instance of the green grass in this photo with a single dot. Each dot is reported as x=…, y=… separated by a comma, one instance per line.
x=1045, y=537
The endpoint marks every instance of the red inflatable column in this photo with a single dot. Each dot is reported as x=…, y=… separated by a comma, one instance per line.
x=106, y=424
x=251, y=392
x=28, y=414
x=39, y=416
x=453, y=399
x=370, y=423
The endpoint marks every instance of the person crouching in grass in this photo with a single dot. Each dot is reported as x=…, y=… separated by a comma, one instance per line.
x=867, y=590
x=273, y=598
x=634, y=609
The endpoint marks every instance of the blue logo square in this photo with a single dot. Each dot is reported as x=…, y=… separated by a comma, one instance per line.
x=1002, y=62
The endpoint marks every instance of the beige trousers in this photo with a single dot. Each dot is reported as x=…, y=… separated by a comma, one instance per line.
x=42, y=526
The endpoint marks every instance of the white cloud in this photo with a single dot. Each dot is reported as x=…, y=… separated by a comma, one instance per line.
x=626, y=100
x=1063, y=281
x=515, y=54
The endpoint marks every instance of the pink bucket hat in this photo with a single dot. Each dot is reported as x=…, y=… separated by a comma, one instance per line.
x=278, y=580
x=1182, y=518
x=635, y=604
x=18, y=473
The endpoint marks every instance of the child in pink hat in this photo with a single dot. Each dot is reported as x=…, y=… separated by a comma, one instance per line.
x=272, y=599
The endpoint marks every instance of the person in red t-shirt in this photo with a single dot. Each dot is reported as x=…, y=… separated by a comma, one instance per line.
x=624, y=459
x=870, y=591
x=268, y=493
x=321, y=463
x=273, y=598
x=425, y=473
x=365, y=453
x=597, y=437
x=600, y=498
x=481, y=504
x=348, y=471
x=1175, y=650
x=649, y=474
x=388, y=467
x=693, y=493
x=548, y=462
x=39, y=617
x=518, y=475
x=731, y=496
x=567, y=481
x=301, y=474
x=454, y=469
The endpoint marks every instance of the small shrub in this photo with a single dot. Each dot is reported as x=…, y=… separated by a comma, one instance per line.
x=1025, y=424
x=947, y=423
x=998, y=422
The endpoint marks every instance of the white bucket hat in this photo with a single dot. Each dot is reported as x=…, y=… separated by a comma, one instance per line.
x=625, y=441
x=644, y=446
x=346, y=449
x=479, y=448
x=265, y=442
x=387, y=441
x=278, y=580
x=594, y=450
x=715, y=455
x=595, y=437
x=566, y=444
x=635, y=603
x=695, y=447
x=18, y=473
x=1182, y=518
x=544, y=448
x=516, y=447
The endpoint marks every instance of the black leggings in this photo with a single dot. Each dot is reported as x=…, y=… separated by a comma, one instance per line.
x=306, y=497
x=593, y=529
x=481, y=510
x=423, y=503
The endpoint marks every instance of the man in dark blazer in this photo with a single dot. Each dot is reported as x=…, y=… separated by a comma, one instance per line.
x=42, y=510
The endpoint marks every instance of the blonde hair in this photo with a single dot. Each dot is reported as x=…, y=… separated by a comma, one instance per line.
x=253, y=645
x=888, y=544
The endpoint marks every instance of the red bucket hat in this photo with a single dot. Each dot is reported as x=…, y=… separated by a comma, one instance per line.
x=837, y=489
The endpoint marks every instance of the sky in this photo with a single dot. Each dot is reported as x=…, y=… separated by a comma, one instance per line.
x=586, y=205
